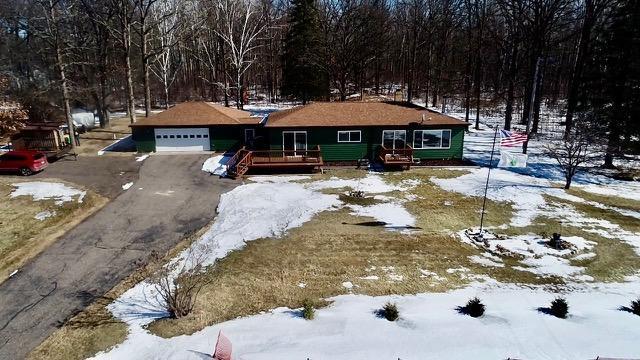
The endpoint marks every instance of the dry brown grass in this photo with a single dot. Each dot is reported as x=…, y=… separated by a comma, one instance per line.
x=89, y=332
x=614, y=201
x=22, y=236
x=441, y=211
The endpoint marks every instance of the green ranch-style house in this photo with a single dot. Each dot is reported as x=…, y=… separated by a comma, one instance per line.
x=335, y=133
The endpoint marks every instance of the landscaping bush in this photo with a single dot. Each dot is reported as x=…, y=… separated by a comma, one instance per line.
x=308, y=311
x=179, y=282
x=559, y=308
x=635, y=307
x=474, y=308
x=390, y=311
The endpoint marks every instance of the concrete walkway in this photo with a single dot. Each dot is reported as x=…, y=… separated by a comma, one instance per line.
x=172, y=197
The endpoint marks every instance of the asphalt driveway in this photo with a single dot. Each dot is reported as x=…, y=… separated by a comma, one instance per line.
x=171, y=197
x=102, y=174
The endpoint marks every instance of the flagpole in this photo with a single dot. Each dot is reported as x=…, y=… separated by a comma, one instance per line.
x=486, y=186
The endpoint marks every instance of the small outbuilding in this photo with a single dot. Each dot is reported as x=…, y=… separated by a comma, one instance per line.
x=48, y=137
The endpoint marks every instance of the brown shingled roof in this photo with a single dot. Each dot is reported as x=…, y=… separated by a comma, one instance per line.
x=327, y=114
x=198, y=113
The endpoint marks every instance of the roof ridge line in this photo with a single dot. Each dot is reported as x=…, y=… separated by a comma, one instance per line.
x=212, y=105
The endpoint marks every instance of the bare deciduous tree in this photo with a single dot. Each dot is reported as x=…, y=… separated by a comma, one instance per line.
x=53, y=20
x=578, y=147
x=241, y=24
x=166, y=19
x=179, y=282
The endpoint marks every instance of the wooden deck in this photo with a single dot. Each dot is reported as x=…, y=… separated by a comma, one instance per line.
x=396, y=157
x=244, y=160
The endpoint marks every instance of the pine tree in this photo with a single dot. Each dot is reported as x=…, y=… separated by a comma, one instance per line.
x=304, y=74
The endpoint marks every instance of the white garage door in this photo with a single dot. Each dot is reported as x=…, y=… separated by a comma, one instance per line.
x=182, y=139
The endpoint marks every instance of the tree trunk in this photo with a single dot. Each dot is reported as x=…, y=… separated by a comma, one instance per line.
x=575, y=80
x=126, y=41
x=467, y=97
x=513, y=71
x=63, y=76
x=239, y=94
x=537, y=101
x=567, y=183
x=145, y=69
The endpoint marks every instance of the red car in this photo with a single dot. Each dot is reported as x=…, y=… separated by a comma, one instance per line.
x=25, y=162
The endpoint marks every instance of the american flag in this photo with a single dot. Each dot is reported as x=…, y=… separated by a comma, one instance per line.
x=509, y=138
x=223, y=348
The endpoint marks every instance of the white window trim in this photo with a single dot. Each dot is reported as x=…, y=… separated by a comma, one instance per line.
x=349, y=132
x=394, y=137
x=432, y=147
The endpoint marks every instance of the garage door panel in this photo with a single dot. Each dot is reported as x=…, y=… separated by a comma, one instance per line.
x=182, y=139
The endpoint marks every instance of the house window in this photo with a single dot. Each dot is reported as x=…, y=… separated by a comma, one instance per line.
x=349, y=136
x=432, y=139
x=172, y=136
x=198, y=136
x=191, y=136
x=158, y=136
x=205, y=136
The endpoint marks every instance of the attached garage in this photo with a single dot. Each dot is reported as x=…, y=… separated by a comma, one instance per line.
x=182, y=139
x=193, y=126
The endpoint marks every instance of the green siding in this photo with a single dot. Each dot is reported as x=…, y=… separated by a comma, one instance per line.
x=144, y=139
x=454, y=152
x=225, y=138
x=332, y=150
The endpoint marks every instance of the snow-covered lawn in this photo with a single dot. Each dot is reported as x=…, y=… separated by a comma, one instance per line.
x=429, y=328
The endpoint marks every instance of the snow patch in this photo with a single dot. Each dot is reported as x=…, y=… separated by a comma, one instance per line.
x=43, y=215
x=485, y=261
x=394, y=215
x=142, y=158
x=41, y=190
x=370, y=184
x=216, y=165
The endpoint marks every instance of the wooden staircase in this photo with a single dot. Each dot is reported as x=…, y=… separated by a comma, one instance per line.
x=238, y=165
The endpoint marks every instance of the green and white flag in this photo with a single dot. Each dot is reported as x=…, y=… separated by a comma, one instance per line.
x=512, y=159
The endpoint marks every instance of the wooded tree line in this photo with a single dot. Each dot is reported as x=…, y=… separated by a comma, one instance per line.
x=577, y=55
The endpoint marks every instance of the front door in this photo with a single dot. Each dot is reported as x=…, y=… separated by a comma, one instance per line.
x=294, y=142
x=394, y=139
x=249, y=138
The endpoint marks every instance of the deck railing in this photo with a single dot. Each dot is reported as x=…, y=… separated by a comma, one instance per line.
x=402, y=155
x=286, y=157
x=243, y=159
